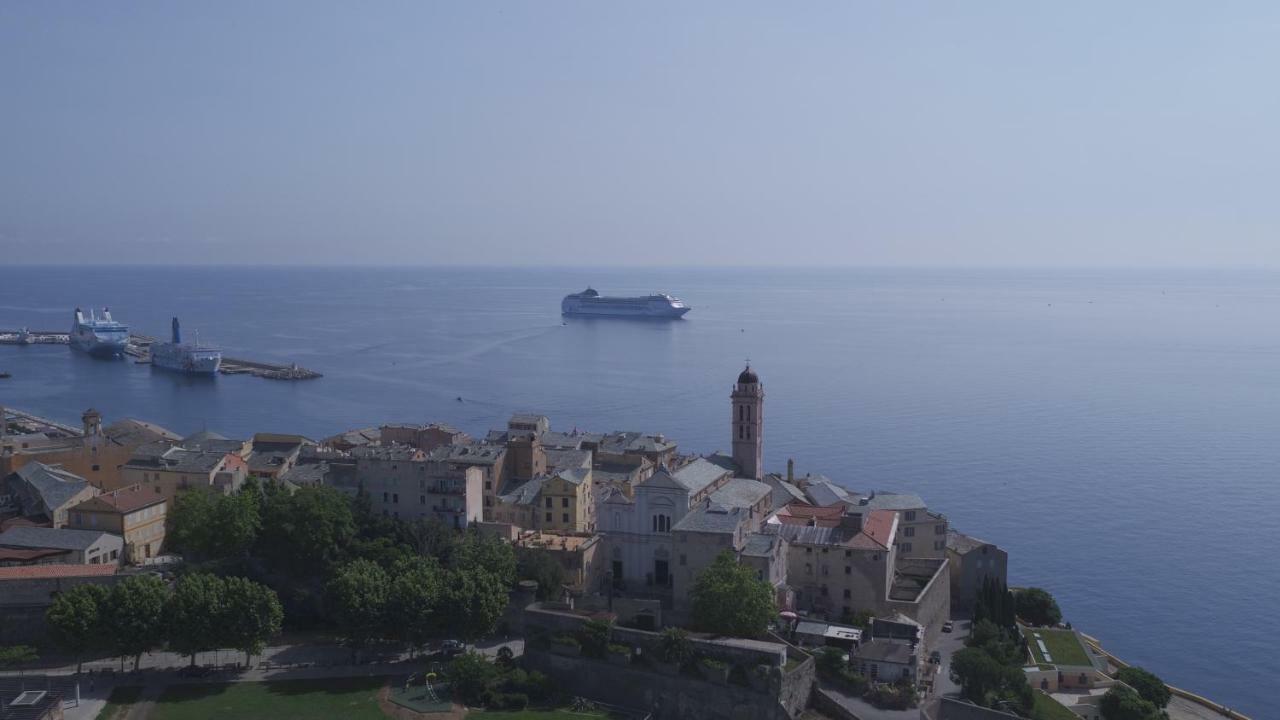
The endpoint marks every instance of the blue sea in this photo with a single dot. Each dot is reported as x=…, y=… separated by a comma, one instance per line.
x=1118, y=432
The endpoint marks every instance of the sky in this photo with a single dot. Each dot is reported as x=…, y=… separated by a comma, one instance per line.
x=649, y=133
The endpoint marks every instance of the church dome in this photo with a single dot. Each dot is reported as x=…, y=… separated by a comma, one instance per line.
x=748, y=376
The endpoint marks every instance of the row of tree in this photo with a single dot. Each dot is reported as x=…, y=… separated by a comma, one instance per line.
x=202, y=612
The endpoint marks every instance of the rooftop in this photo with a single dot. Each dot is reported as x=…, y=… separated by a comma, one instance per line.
x=912, y=575
x=823, y=492
x=891, y=501
x=54, y=485
x=697, y=475
x=130, y=432
x=712, y=518
x=469, y=453
x=39, y=572
x=741, y=492
x=379, y=451
x=804, y=514
x=961, y=543
x=760, y=545
x=125, y=500
x=176, y=459
x=61, y=538
x=555, y=541
x=1051, y=646
x=881, y=650
x=525, y=494
x=567, y=459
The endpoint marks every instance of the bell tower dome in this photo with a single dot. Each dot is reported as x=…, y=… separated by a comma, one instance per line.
x=747, y=401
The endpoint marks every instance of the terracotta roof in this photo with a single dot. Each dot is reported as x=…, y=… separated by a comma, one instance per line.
x=124, y=500
x=39, y=572
x=801, y=514
x=877, y=529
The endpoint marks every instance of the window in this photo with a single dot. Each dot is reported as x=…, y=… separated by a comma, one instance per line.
x=564, y=502
x=938, y=544
x=824, y=569
x=488, y=485
x=911, y=515
x=939, y=529
x=848, y=553
x=848, y=569
x=906, y=547
x=565, y=516
x=548, y=502
x=661, y=523
x=422, y=499
x=395, y=498
x=808, y=569
x=740, y=436
x=808, y=550
x=823, y=591
x=548, y=517
x=847, y=594
x=683, y=559
x=740, y=411
x=95, y=468
x=385, y=496
x=824, y=551
x=909, y=531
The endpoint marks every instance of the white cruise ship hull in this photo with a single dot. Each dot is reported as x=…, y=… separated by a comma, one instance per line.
x=591, y=303
x=167, y=356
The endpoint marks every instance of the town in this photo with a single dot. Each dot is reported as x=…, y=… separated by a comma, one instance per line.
x=530, y=569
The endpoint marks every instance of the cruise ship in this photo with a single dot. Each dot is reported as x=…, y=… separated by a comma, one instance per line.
x=98, y=336
x=590, y=302
x=186, y=357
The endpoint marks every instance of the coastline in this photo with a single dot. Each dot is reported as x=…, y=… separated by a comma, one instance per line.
x=1178, y=692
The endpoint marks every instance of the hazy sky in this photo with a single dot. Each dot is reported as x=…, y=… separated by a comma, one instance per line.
x=596, y=133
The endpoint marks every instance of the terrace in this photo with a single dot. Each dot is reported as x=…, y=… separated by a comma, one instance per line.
x=1056, y=647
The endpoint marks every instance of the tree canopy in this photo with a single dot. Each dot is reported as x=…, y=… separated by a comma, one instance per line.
x=75, y=620
x=305, y=532
x=413, y=601
x=728, y=599
x=1121, y=703
x=357, y=602
x=542, y=569
x=251, y=615
x=1149, y=687
x=1037, y=606
x=194, y=614
x=986, y=681
x=135, y=616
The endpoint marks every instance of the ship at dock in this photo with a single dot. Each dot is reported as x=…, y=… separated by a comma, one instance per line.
x=191, y=358
x=98, y=336
x=591, y=302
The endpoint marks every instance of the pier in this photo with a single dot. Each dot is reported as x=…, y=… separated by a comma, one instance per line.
x=139, y=348
x=26, y=422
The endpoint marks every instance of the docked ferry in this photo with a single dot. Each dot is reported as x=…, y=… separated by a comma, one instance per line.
x=98, y=336
x=186, y=357
x=590, y=302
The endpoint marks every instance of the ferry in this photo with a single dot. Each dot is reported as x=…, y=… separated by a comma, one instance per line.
x=591, y=302
x=98, y=336
x=186, y=357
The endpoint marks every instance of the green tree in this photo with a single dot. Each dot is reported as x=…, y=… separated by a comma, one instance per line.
x=304, y=533
x=594, y=638
x=135, y=617
x=470, y=674
x=473, y=601
x=987, y=682
x=1121, y=703
x=542, y=569
x=75, y=620
x=193, y=614
x=251, y=616
x=413, y=601
x=357, y=601
x=477, y=550
x=1037, y=606
x=674, y=646
x=433, y=538
x=728, y=599
x=1149, y=687
x=16, y=656
x=209, y=526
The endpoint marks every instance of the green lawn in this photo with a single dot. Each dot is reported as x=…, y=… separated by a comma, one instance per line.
x=120, y=699
x=336, y=699
x=1046, y=708
x=1063, y=645
x=536, y=715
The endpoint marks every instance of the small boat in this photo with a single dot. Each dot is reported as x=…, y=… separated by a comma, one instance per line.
x=4, y=375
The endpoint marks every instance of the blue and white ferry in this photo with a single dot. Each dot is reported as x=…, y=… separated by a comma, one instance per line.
x=186, y=357
x=98, y=336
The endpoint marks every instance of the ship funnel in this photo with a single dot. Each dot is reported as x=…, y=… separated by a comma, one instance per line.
x=177, y=334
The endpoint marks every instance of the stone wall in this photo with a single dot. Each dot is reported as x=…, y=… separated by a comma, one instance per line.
x=932, y=607
x=24, y=602
x=672, y=697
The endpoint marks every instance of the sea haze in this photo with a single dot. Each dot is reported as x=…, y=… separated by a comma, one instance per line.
x=1115, y=431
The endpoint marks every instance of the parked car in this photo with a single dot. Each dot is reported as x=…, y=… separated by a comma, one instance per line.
x=947, y=626
x=451, y=648
x=935, y=657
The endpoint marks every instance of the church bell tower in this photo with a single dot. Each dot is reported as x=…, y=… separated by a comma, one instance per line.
x=748, y=424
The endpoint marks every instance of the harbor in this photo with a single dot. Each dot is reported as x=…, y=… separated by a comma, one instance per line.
x=138, y=347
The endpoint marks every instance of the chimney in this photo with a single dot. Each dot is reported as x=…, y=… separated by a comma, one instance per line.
x=791, y=470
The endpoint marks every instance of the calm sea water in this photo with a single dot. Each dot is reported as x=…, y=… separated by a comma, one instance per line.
x=1117, y=432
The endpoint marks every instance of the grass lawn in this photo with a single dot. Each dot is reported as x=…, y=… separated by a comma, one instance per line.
x=330, y=699
x=1063, y=646
x=119, y=701
x=1046, y=708
x=538, y=715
